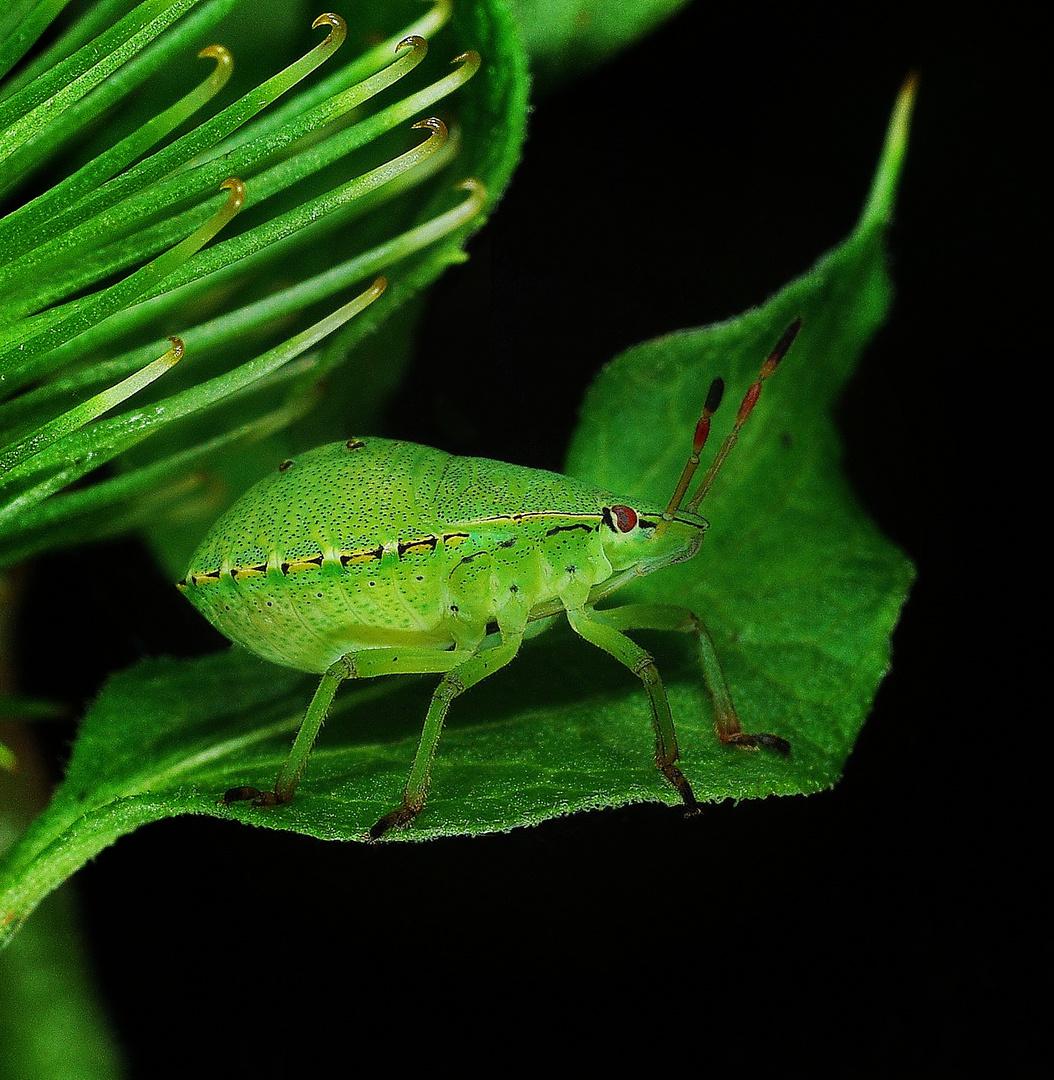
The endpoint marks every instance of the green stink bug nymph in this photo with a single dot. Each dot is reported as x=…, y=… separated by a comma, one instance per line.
x=377, y=557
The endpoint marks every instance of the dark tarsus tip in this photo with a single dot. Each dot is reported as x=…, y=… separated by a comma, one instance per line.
x=240, y=794
x=774, y=742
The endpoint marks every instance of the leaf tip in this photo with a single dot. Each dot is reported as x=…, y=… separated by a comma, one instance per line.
x=879, y=205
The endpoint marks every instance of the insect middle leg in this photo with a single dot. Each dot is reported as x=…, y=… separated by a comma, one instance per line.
x=364, y=664
x=455, y=682
x=598, y=630
x=669, y=617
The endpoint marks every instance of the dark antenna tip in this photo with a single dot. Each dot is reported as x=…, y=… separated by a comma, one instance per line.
x=714, y=395
x=785, y=342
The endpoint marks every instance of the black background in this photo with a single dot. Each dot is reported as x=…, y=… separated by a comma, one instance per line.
x=847, y=933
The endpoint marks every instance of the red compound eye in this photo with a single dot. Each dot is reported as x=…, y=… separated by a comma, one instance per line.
x=625, y=517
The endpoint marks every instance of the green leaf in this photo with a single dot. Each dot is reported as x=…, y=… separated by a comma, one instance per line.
x=798, y=587
x=565, y=38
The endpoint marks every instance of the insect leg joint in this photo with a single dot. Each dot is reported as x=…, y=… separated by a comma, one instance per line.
x=344, y=668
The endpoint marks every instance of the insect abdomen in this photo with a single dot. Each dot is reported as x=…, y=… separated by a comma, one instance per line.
x=357, y=545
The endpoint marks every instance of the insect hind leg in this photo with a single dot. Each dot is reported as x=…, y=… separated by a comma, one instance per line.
x=670, y=617
x=364, y=664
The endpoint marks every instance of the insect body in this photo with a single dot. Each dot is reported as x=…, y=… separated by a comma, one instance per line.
x=375, y=557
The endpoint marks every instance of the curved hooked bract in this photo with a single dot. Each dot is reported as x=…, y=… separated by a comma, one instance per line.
x=437, y=129
x=207, y=230
x=306, y=338
x=223, y=70
x=287, y=78
x=470, y=62
x=136, y=286
x=235, y=201
x=338, y=31
x=13, y=458
x=477, y=193
x=415, y=42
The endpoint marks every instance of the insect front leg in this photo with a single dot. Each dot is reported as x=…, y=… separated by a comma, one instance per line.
x=364, y=664
x=669, y=617
x=454, y=683
x=596, y=629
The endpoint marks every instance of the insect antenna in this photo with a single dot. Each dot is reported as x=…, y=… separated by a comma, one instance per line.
x=750, y=399
x=702, y=432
